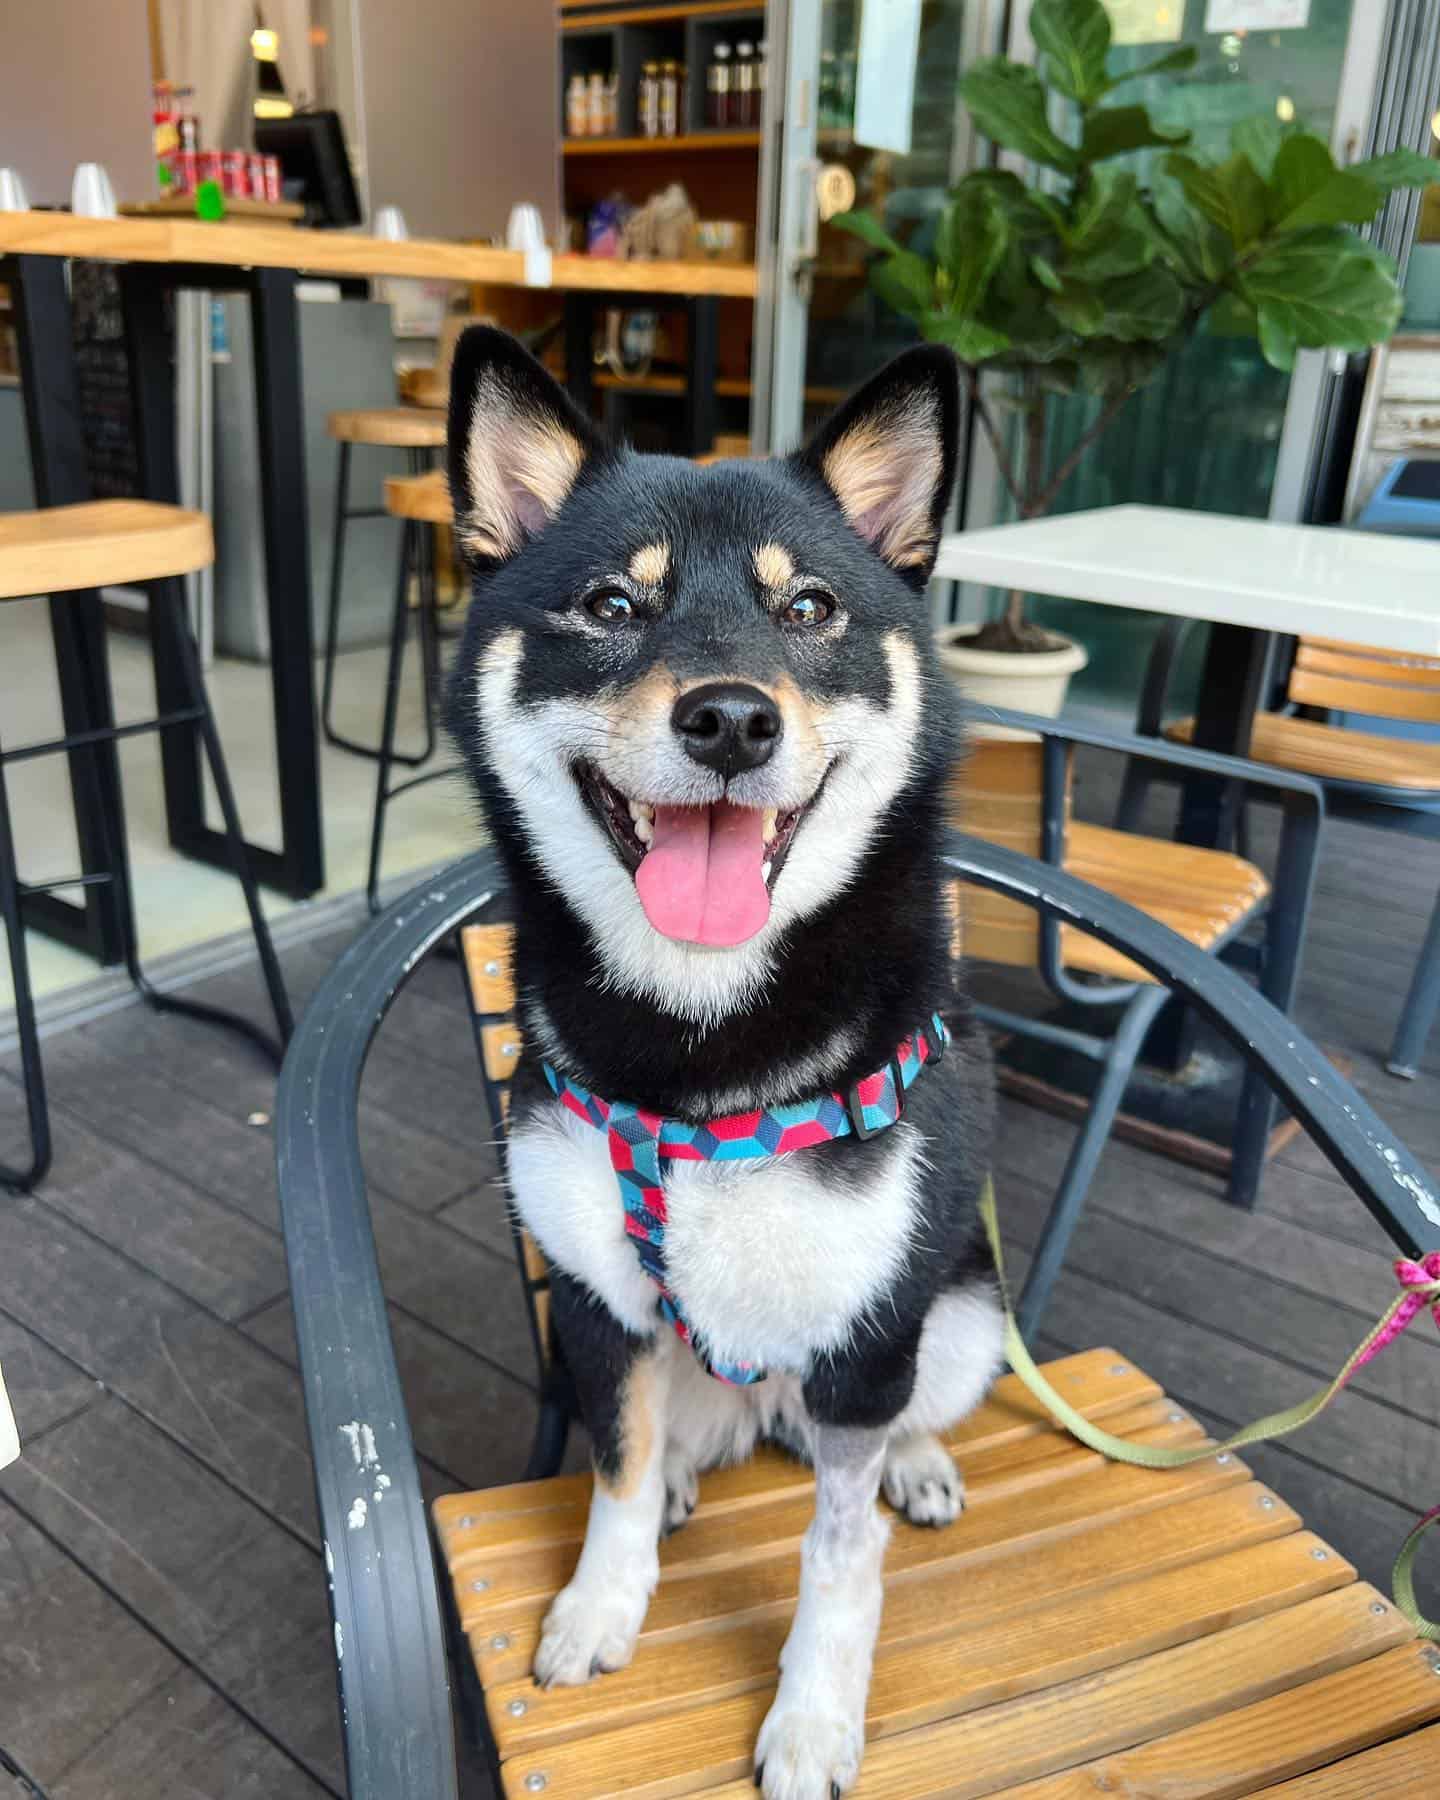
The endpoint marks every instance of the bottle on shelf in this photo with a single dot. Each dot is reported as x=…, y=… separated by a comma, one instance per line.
x=612, y=104
x=742, y=99
x=649, y=100
x=577, y=108
x=595, y=107
x=717, y=87
x=669, y=99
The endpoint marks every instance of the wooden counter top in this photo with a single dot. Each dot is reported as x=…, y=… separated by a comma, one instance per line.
x=242, y=245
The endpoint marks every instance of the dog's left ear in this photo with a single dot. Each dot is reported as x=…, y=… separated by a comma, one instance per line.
x=888, y=456
x=517, y=444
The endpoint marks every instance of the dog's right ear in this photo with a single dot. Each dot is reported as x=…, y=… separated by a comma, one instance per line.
x=517, y=445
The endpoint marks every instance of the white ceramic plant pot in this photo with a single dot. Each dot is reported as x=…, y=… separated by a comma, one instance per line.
x=1030, y=681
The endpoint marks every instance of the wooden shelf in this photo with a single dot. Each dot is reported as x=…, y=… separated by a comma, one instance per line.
x=652, y=15
x=729, y=387
x=697, y=143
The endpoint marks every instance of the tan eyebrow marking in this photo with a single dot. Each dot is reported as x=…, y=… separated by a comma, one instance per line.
x=650, y=564
x=774, y=566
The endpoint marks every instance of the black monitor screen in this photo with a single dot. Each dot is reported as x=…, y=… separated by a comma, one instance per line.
x=314, y=165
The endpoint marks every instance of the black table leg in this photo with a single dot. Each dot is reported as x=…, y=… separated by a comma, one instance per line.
x=702, y=358
x=580, y=349
x=41, y=306
x=1231, y=689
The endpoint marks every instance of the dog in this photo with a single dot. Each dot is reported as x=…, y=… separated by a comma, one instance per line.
x=701, y=711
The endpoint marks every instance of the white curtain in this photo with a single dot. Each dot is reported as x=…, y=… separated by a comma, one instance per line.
x=206, y=46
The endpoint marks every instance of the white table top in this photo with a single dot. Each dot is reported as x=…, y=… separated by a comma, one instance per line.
x=1363, y=585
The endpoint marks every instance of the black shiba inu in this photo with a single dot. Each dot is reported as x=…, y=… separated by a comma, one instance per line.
x=752, y=1116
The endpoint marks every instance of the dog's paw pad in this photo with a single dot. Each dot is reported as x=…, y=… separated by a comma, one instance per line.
x=807, y=1755
x=922, y=1481
x=682, y=1492
x=584, y=1636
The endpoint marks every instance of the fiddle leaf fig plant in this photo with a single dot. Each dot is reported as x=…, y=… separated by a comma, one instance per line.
x=1087, y=278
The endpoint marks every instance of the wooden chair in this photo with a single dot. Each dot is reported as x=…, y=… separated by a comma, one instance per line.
x=66, y=552
x=420, y=433
x=1014, y=789
x=1391, y=783
x=1084, y=1627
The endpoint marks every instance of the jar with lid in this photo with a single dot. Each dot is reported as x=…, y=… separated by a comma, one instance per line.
x=717, y=87
x=669, y=99
x=743, y=96
x=649, y=107
x=577, y=108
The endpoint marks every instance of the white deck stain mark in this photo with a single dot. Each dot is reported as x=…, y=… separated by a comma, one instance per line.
x=361, y=1438
x=382, y=1481
x=356, y=1517
x=339, y=1643
x=352, y=1432
x=329, y=1559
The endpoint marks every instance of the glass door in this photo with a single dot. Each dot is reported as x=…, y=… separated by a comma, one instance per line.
x=867, y=115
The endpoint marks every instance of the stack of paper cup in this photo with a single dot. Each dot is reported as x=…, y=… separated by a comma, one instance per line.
x=13, y=197
x=389, y=223
x=91, y=195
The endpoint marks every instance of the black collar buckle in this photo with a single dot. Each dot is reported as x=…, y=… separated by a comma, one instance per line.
x=855, y=1107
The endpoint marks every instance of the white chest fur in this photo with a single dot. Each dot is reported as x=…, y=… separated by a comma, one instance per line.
x=772, y=1259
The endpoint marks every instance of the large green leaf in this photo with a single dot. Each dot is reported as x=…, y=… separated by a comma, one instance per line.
x=1145, y=306
x=1230, y=194
x=1171, y=63
x=1079, y=309
x=1045, y=273
x=1232, y=316
x=1277, y=338
x=1074, y=37
x=1398, y=169
x=1259, y=137
x=1116, y=130
x=1306, y=189
x=971, y=341
x=1325, y=288
x=868, y=228
x=1195, y=249
x=1107, y=367
x=906, y=282
x=1125, y=251
x=1110, y=233
x=1029, y=212
x=973, y=234
x=1007, y=102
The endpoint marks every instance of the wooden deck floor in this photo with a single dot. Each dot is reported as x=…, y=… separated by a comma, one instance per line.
x=162, y=1611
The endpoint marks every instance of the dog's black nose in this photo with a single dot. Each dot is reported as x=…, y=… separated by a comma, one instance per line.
x=728, y=726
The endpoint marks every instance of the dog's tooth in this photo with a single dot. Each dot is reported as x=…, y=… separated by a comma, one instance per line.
x=644, y=828
x=634, y=806
x=765, y=869
x=771, y=814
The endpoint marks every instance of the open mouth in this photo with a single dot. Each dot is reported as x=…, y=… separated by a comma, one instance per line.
x=704, y=874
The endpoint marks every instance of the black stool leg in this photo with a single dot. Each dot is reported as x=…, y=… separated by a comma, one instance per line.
x=337, y=568
x=32, y=1074
x=399, y=630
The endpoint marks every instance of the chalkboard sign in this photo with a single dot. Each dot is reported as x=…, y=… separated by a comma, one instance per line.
x=102, y=375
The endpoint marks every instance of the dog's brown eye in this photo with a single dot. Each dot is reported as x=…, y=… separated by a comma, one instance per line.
x=611, y=607
x=808, y=610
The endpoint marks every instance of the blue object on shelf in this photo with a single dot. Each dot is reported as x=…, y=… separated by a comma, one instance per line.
x=1407, y=501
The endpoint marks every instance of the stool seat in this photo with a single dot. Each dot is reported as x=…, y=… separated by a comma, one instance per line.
x=99, y=543
x=397, y=427
x=423, y=497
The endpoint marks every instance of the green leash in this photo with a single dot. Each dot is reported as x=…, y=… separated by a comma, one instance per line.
x=1420, y=1284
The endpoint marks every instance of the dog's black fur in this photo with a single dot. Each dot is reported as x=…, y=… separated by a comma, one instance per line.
x=875, y=955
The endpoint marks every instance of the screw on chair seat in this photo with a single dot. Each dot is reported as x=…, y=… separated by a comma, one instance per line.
x=395, y=427
x=423, y=497
x=99, y=543
x=1083, y=1627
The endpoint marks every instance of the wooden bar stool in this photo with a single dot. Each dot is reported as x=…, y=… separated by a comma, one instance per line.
x=73, y=550
x=420, y=432
x=421, y=502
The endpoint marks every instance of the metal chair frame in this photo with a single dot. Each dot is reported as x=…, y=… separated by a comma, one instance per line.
x=1412, y=812
x=167, y=602
x=390, y=1623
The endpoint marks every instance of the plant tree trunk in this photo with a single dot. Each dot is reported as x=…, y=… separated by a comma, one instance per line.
x=1032, y=492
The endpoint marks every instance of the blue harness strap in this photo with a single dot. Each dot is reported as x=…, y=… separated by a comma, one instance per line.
x=642, y=1142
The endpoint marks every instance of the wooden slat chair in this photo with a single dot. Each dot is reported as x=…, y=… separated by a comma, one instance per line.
x=1389, y=782
x=1012, y=787
x=1084, y=1628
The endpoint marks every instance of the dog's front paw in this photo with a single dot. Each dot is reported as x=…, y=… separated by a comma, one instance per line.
x=807, y=1755
x=682, y=1490
x=922, y=1481
x=586, y=1634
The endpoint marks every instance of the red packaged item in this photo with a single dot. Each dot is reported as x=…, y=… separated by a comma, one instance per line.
x=235, y=175
x=272, y=178
x=209, y=166
x=184, y=171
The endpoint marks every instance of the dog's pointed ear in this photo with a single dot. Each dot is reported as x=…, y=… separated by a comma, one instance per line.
x=517, y=444
x=888, y=456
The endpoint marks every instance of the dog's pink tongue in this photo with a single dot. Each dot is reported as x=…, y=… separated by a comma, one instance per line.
x=700, y=880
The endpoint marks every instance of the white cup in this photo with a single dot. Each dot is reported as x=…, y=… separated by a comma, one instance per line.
x=91, y=195
x=526, y=229
x=13, y=197
x=389, y=223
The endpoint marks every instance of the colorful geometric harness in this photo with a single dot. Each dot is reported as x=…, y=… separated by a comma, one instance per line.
x=641, y=1141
